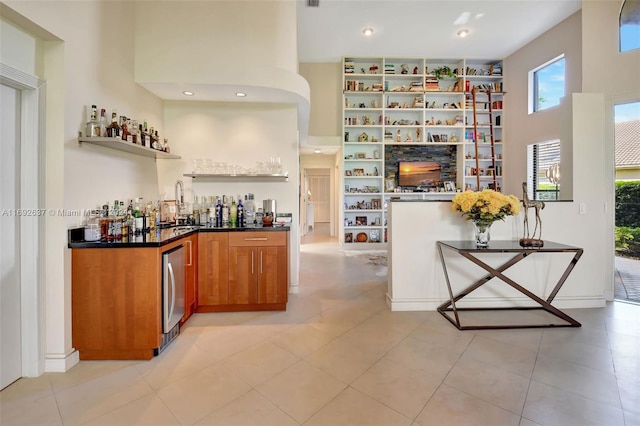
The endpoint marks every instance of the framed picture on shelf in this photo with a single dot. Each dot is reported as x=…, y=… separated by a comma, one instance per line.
x=348, y=237
x=347, y=172
x=374, y=236
x=361, y=221
x=436, y=138
x=360, y=155
x=375, y=203
x=443, y=138
x=449, y=186
x=389, y=184
x=358, y=172
x=347, y=188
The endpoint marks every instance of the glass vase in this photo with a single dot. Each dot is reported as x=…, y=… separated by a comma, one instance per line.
x=482, y=230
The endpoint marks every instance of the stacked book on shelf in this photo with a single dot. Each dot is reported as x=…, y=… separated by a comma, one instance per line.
x=349, y=67
x=389, y=69
x=431, y=84
x=416, y=86
x=493, y=87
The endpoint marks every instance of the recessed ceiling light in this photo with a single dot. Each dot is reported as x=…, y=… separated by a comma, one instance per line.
x=317, y=151
x=188, y=93
x=368, y=31
x=463, y=33
x=241, y=94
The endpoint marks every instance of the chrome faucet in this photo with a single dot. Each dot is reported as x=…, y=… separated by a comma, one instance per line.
x=179, y=194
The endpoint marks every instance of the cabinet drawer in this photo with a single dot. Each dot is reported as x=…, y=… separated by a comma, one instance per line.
x=243, y=239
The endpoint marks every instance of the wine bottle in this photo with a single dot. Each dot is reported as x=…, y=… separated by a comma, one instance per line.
x=225, y=211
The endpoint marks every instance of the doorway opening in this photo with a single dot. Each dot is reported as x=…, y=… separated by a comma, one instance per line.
x=318, y=206
x=627, y=202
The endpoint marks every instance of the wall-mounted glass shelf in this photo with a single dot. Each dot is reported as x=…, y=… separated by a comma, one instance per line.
x=246, y=177
x=129, y=147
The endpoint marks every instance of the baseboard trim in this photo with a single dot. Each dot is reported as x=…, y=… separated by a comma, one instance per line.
x=424, y=304
x=59, y=363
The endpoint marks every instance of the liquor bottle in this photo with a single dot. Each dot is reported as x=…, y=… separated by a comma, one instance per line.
x=122, y=218
x=225, y=211
x=154, y=138
x=217, y=211
x=233, y=213
x=146, y=218
x=92, y=128
x=241, y=219
x=142, y=138
x=145, y=132
x=249, y=209
x=124, y=128
x=133, y=128
x=103, y=123
x=113, y=131
x=196, y=210
x=138, y=219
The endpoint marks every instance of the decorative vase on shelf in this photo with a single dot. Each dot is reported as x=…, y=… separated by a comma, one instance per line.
x=482, y=230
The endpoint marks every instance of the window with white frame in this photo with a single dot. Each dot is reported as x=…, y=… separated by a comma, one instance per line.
x=543, y=170
x=546, y=85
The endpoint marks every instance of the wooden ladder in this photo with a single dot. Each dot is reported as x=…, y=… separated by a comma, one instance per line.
x=476, y=136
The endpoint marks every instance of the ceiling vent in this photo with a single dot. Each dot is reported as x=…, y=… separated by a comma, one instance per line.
x=313, y=3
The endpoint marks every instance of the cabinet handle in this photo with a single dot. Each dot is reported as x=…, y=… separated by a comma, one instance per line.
x=257, y=239
x=190, y=254
x=252, y=261
x=260, y=261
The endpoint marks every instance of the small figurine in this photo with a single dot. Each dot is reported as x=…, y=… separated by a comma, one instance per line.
x=453, y=138
x=373, y=69
x=419, y=134
x=415, y=70
x=363, y=137
x=398, y=136
x=404, y=69
x=409, y=139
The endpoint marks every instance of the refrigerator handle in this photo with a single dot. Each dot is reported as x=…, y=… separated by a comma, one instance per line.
x=173, y=292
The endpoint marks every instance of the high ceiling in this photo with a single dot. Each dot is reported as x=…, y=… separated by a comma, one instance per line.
x=424, y=28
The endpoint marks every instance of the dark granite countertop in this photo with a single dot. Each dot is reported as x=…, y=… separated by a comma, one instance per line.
x=160, y=237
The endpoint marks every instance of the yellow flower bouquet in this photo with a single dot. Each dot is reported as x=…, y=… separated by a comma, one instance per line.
x=485, y=206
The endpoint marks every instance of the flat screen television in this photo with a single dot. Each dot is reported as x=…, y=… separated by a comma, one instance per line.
x=418, y=173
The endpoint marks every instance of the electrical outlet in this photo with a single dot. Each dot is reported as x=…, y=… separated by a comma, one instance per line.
x=583, y=208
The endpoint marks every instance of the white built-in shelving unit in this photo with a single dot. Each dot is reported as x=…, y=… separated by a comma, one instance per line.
x=390, y=103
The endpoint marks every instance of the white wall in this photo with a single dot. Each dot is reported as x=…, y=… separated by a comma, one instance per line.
x=241, y=134
x=522, y=128
x=326, y=108
x=92, y=64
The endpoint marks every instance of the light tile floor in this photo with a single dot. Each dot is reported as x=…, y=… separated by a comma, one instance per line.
x=338, y=356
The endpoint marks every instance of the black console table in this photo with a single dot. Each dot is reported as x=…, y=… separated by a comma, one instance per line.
x=469, y=250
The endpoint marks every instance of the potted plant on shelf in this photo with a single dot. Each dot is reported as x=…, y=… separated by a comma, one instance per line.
x=443, y=71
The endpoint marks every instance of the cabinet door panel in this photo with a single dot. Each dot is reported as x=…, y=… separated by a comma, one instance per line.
x=273, y=275
x=213, y=268
x=242, y=275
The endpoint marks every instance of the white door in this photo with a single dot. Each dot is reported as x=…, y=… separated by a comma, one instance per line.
x=10, y=331
x=320, y=193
